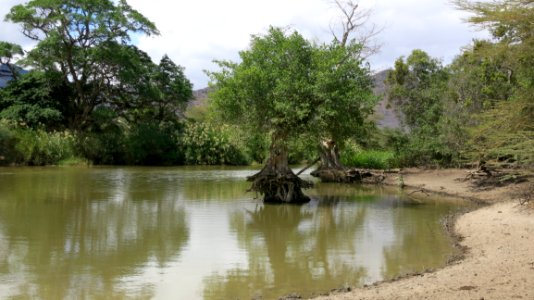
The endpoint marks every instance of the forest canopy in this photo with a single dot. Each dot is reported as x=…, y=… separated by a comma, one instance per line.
x=93, y=95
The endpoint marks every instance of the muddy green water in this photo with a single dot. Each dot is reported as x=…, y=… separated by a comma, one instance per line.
x=193, y=233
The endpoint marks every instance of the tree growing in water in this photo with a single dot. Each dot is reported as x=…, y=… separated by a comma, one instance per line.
x=349, y=48
x=289, y=87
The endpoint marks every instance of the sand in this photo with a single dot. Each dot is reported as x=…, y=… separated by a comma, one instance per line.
x=498, y=238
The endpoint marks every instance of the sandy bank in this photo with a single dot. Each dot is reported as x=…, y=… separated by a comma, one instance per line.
x=499, y=238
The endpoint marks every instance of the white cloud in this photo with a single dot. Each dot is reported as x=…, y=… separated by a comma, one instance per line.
x=193, y=33
x=11, y=32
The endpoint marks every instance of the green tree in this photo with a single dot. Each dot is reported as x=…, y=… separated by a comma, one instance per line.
x=346, y=87
x=271, y=90
x=418, y=85
x=415, y=85
x=82, y=40
x=505, y=129
x=36, y=99
x=289, y=87
x=174, y=89
x=146, y=91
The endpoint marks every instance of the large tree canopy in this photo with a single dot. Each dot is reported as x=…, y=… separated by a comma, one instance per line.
x=289, y=87
x=84, y=41
x=416, y=85
x=505, y=128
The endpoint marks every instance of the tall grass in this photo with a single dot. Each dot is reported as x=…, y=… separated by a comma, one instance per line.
x=27, y=146
x=370, y=159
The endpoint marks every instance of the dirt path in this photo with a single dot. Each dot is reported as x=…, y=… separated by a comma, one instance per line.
x=499, y=263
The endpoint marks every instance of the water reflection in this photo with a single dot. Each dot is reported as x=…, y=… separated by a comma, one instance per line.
x=194, y=233
x=78, y=235
x=346, y=236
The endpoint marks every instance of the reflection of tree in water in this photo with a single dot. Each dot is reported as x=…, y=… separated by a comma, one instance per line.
x=421, y=244
x=290, y=249
x=65, y=244
x=215, y=190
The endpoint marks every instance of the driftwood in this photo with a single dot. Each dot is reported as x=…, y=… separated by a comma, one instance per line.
x=349, y=175
x=486, y=177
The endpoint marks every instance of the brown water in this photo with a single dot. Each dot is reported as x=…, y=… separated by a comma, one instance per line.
x=193, y=233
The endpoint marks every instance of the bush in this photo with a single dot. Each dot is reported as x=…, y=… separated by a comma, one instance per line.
x=154, y=144
x=39, y=147
x=104, y=141
x=302, y=149
x=104, y=148
x=36, y=147
x=354, y=156
x=206, y=145
x=8, y=143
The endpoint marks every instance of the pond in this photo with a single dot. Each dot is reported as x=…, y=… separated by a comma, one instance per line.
x=194, y=233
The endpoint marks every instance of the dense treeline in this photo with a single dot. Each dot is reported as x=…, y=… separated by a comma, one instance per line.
x=481, y=106
x=92, y=97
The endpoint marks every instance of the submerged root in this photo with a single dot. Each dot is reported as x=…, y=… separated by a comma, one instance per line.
x=284, y=188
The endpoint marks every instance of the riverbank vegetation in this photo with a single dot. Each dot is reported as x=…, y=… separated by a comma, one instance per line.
x=92, y=97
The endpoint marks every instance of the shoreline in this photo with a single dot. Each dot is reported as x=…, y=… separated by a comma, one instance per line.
x=495, y=240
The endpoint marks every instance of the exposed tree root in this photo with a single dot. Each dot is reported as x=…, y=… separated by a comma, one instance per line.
x=332, y=170
x=280, y=188
x=348, y=175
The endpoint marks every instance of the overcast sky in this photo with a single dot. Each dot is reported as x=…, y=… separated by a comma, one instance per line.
x=195, y=32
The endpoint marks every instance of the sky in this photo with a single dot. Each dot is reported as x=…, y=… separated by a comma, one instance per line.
x=193, y=33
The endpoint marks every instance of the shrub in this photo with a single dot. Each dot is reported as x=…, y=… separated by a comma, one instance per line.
x=206, y=145
x=8, y=142
x=103, y=148
x=354, y=156
x=154, y=144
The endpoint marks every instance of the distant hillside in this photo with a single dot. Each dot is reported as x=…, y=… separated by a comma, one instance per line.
x=385, y=115
x=199, y=97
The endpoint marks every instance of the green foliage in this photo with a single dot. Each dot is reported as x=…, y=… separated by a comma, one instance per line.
x=506, y=134
x=147, y=91
x=480, y=77
x=83, y=40
x=151, y=143
x=36, y=99
x=8, y=143
x=255, y=144
x=271, y=89
x=104, y=148
x=105, y=141
x=9, y=52
x=354, y=156
x=302, y=149
x=28, y=146
x=418, y=86
x=39, y=147
x=290, y=88
x=504, y=130
x=206, y=144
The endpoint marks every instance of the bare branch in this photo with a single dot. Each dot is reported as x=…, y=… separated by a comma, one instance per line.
x=355, y=28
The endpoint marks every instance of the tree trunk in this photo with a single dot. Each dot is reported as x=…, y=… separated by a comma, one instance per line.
x=276, y=181
x=332, y=170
